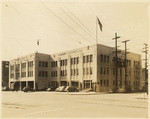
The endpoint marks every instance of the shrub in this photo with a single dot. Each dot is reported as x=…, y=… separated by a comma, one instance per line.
x=128, y=89
x=115, y=90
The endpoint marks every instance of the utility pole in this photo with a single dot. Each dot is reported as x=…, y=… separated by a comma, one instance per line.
x=125, y=62
x=146, y=75
x=116, y=38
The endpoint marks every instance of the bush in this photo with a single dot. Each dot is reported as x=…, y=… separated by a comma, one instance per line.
x=128, y=89
x=115, y=90
x=136, y=89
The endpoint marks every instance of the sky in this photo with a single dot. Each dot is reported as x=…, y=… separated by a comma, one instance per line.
x=65, y=25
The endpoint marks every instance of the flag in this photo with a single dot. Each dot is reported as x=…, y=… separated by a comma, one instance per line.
x=100, y=24
x=37, y=42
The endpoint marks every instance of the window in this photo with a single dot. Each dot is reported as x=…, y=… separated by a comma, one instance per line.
x=87, y=58
x=101, y=70
x=91, y=58
x=77, y=60
x=83, y=59
x=71, y=61
x=104, y=82
x=51, y=64
x=12, y=67
x=107, y=70
x=107, y=58
x=23, y=65
x=77, y=71
x=12, y=75
x=74, y=72
x=56, y=63
x=104, y=70
x=129, y=62
x=87, y=71
x=91, y=70
x=60, y=62
x=101, y=82
x=46, y=64
x=101, y=58
x=23, y=74
x=104, y=58
x=39, y=63
x=107, y=83
x=74, y=60
x=65, y=61
x=56, y=73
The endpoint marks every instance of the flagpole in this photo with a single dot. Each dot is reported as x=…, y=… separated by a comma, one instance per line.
x=96, y=30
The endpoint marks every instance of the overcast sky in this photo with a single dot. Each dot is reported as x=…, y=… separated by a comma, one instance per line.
x=62, y=26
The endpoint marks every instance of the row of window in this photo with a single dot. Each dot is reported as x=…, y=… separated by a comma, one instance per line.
x=12, y=75
x=63, y=62
x=23, y=74
x=136, y=83
x=54, y=64
x=75, y=60
x=136, y=63
x=74, y=72
x=104, y=70
x=43, y=74
x=104, y=83
x=43, y=64
x=30, y=73
x=63, y=73
x=23, y=65
x=30, y=64
x=104, y=58
x=53, y=73
x=87, y=71
x=87, y=58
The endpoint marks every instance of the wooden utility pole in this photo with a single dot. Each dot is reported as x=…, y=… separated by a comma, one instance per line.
x=146, y=75
x=116, y=38
x=125, y=61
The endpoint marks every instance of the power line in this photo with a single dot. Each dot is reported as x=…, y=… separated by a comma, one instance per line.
x=43, y=24
x=76, y=18
x=75, y=22
x=64, y=22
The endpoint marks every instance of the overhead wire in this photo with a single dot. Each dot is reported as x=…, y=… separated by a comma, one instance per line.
x=44, y=25
x=76, y=18
x=76, y=22
x=65, y=22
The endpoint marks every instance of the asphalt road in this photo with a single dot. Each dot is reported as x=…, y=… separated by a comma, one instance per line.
x=63, y=105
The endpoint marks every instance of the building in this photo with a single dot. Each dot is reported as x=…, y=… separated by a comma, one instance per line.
x=5, y=73
x=88, y=67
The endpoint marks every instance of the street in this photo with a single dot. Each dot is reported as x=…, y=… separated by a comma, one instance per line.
x=73, y=105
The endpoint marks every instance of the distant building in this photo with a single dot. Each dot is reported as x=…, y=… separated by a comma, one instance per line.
x=5, y=73
x=88, y=67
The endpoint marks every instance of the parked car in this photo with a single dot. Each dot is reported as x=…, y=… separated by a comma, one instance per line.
x=28, y=89
x=121, y=90
x=51, y=89
x=60, y=89
x=71, y=89
x=5, y=89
